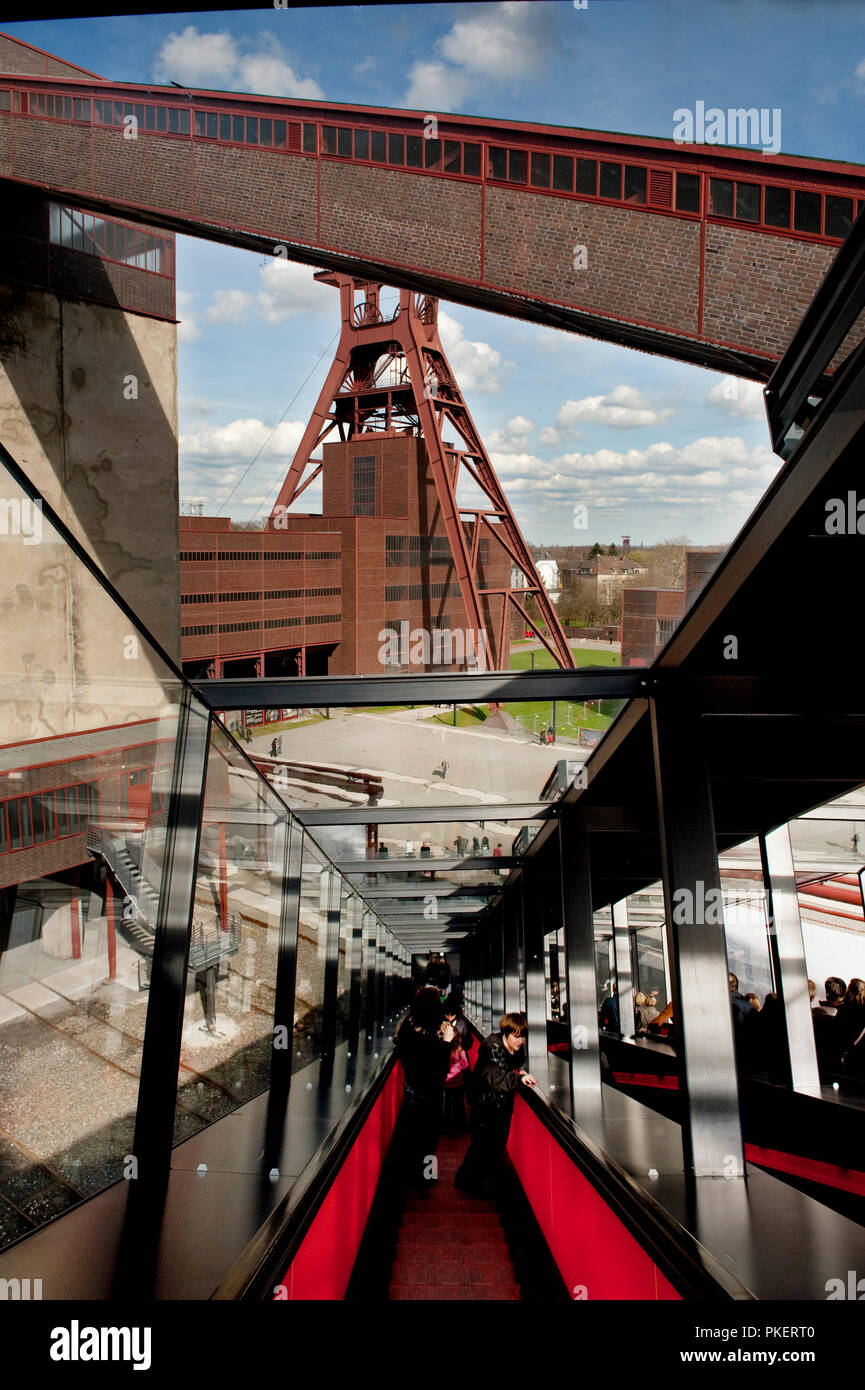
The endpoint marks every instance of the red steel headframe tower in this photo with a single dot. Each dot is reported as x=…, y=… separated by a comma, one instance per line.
x=391, y=375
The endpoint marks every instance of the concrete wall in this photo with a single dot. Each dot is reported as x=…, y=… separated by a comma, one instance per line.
x=106, y=463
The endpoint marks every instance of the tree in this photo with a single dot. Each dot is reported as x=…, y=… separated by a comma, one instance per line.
x=613, y=550
x=596, y=550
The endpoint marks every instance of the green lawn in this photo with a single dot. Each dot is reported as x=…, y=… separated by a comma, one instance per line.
x=571, y=716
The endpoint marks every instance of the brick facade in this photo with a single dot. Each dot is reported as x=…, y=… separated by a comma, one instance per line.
x=406, y=505
x=672, y=271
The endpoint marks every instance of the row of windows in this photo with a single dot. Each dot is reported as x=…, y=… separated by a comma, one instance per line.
x=173, y=120
x=242, y=555
x=255, y=595
x=395, y=593
x=403, y=151
x=32, y=820
x=208, y=629
x=416, y=550
x=810, y=212
x=110, y=241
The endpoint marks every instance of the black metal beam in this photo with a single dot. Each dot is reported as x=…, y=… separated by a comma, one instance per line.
x=313, y=692
x=826, y=323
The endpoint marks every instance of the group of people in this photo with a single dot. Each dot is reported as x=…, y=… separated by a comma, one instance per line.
x=547, y=735
x=276, y=747
x=433, y=1044
x=760, y=1035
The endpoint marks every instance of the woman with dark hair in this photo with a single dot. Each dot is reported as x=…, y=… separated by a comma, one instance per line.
x=496, y=1076
x=423, y=1044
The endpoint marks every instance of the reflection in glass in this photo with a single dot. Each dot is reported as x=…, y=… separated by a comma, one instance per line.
x=88, y=723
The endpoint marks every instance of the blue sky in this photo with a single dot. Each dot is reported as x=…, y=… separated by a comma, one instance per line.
x=652, y=448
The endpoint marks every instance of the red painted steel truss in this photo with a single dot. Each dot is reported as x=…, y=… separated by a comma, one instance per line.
x=391, y=376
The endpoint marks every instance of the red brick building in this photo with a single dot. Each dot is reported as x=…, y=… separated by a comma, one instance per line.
x=319, y=593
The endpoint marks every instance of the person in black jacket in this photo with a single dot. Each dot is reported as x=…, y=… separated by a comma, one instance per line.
x=423, y=1043
x=496, y=1076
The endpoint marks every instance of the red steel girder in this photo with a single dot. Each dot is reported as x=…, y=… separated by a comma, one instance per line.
x=354, y=395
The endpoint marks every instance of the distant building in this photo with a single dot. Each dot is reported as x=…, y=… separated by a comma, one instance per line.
x=603, y=576
x=314, y=595
x=651, y=616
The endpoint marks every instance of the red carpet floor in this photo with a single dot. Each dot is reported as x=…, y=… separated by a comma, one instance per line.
x=451, y=1246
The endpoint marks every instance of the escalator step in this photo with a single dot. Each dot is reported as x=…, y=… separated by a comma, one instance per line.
x=456, y=1292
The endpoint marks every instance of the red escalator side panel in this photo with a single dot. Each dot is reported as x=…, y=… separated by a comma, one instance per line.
x=322, y=1266
x=596, y=1254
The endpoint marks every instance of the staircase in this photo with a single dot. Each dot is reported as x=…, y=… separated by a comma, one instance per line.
x=451, y=1246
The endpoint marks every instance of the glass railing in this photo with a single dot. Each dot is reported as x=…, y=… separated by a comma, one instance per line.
x=93, y=766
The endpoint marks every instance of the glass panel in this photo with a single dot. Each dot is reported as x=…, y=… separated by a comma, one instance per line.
x=328, y=139
x=611, y=180
x=251, y=130
x=414, y=151
x=237, y=129
x=540, y=176
x=806, y=211
x=265, y=131
x=343, y=142
x=453, y=157
x=161, y=118
x=563, y=174
x=309, y=144
x=777, y=207
x=224, y=128
x=227, y=1040
x=150, y=118
x=635, y=184
x=361, y=144
x=81, y=108
x=748, y=202
x=721, y=197
x=184, y=122
x=396, y=149
x=174, y=120
x=378, y=146
x=518, y=164
x=82, y=900
x=279, y=135
x=839, y=216
x=498, y=163
x=472, y=160
x=688, y=192
x=587, y=176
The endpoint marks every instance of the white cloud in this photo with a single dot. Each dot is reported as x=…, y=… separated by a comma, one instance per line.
x=436, y=87
x=512, y=439
x=625, y=408
x=218, y=61
x=860, y=70
x=503, y=41
x=496, y=44
x=549, y=435
x=740, y=398
x=229, y=306
x=288, y=289
x=240, y=440
x=187, y=329
x=477, y=366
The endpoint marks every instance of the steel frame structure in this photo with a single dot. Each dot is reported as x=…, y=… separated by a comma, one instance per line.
x=391, y=376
